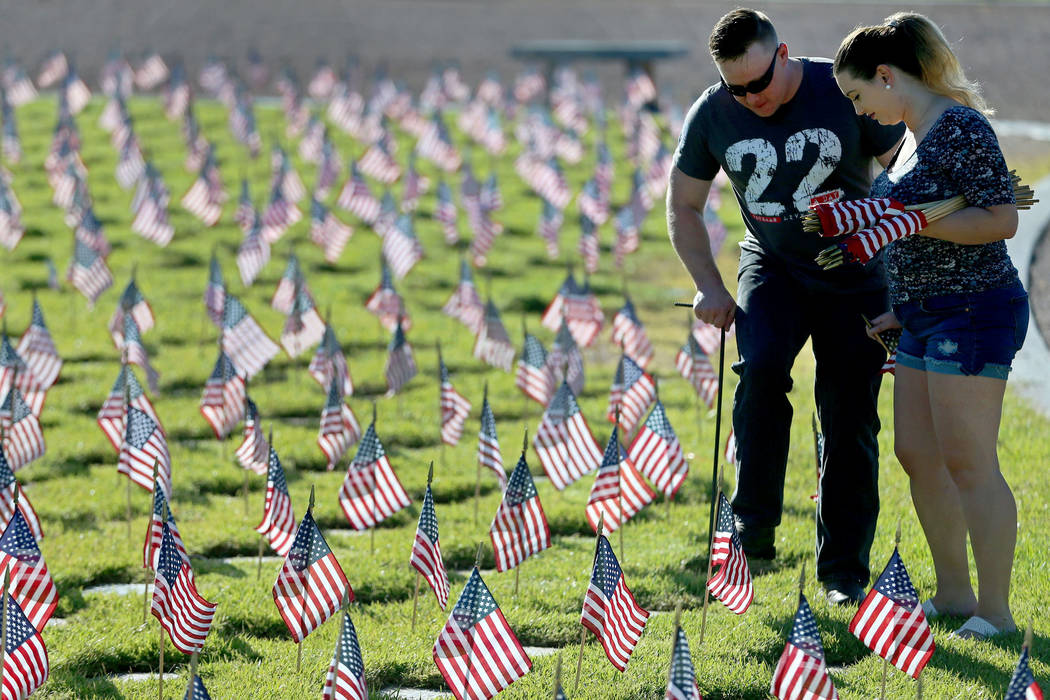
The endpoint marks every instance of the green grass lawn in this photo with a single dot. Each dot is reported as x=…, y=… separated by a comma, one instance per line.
x=82, y=500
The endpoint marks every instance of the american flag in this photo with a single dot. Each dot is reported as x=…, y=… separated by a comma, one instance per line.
x=31, y=585
x=415, y=186
x=151, y=73
x=54, y=69
x=155, y=530
x=492, y=344
x=633, y=391
x=38, y=350
x=278, y=521
x=11, y=228
x=357, y=198
x=534, y=378
x=626, y=235
x=519, y=528
x=133, y=302
x=26, y=665
x=454, y=408
x=588, y=245
x=371, y=491
x=732, y=583
x=330, y=167
x=284, y=177
x=529, y=85
x=549, y=227
x=656, y=177
x=311, y=585
x=590, y=203
x=489, y=455
x=446, y=213
x=245, y=214
x=181, y=610
x=564, y=442
x=112, y=414
x=222, y=403
x=730, y=452
x=657, y=453
x=490, y=197
x=339, y=427
x=151, y=221
x=253, y=253
x=564, y=362
x=708, y=337
x=329, y=363
x=619, y=491
x=379, y=164
x=130, y=164
x=10, y=493
x=629, y=334
x=202, y=200
x=15, y=372
x=144, y=444
x=681, y=683
x=287, y=286
x=23, y=440
x=465, y=305
x=400, y=363
x=583, y=314
x=387, y=304
x=477, y=652
x=891, y=622
x=609, y=608
x=88, y=272
x=426, y=551
x=485, y=231
x=215, y=292
x=1022, y=683
x=253, y=451
x=801, y=672
x=327, y=231
x=18, y=85
x=304, y=327
x=280, y=213
x=693, y=364
x=388, y=215
x=639, y=88
x=243, y=340
x=136, y=351
x=435, y=144
x=346, y=673
x=196, y=690
x=401, y=246
x=177, y=94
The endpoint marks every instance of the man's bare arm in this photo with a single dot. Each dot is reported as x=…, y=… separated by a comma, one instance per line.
x=686, y=197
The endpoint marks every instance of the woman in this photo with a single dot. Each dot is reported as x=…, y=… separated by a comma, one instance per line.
x=959, y=301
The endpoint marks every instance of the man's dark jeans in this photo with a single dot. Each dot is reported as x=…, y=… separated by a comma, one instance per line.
x=776, y=315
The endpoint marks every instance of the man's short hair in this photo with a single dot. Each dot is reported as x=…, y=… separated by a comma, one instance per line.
x=737, y=30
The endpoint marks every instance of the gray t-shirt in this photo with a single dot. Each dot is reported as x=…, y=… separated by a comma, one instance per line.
x=813, y=149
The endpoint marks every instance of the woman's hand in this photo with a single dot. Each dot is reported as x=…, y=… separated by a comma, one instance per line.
x=881, y=323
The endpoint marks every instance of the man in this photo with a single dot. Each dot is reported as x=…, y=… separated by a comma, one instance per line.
x=787, y=138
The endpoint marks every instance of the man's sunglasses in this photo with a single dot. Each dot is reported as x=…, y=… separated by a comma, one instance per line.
x=755, y=86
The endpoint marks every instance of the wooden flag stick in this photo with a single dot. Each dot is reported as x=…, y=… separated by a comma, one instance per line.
x=517, y=574
x=557, y=678
x=306, y=583
x=415, y=602
x=583, y=632
x=1028, y=636
x=262, y=548
x=193, y=673
x=710, y=558
x=160, y=676
x=145, y=587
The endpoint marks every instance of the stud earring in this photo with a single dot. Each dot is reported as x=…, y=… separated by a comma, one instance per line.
x=888, y=86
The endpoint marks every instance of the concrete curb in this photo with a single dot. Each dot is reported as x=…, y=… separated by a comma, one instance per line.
x=1030, y=377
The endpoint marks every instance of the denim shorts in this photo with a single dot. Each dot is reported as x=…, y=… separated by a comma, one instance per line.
x=967, y=333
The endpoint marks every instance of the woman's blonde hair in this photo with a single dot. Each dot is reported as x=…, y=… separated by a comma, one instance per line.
x=915, y=45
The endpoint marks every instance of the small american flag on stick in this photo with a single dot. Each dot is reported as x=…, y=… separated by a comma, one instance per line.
x=30, y=585
x=371, y=491
x=619, y=491
x=564, y=442
x=339, y=427
x=278, y=521
x=26, y=665
x=426, y=550
x=346, y=672
x=311, y=586
x=453, y=406
x=732, y=583
x=657, y=453
x=13, y=497
x=519, y=528
x=181, y=610
x=801, y=672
